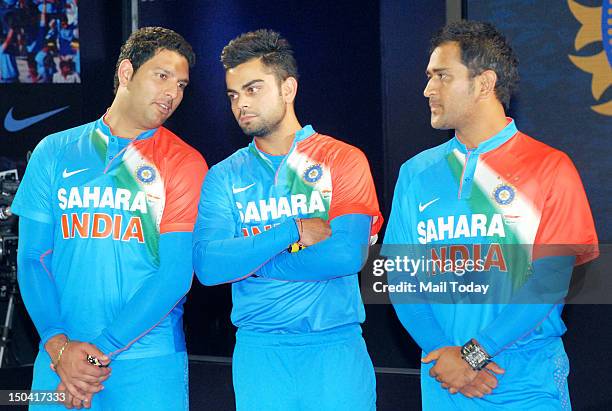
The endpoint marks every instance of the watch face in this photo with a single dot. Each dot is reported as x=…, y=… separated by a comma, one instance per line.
x=474, y=356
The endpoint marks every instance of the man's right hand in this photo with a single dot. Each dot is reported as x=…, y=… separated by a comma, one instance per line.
x=484, y=383
x=80, y=378
x=313, y=230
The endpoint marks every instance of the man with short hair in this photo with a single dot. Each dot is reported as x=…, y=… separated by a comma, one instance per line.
x=489, y=191
x=106, y=218
x=299, y=343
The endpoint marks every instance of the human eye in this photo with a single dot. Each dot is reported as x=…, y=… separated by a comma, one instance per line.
x=253, y=89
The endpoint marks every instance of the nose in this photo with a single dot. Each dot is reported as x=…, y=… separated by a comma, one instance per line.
x=172, y=91
x=241, y=102
x=428, y=91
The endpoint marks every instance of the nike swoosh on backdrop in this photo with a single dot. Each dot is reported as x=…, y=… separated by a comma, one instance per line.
x=241, y=189
x=13, y=125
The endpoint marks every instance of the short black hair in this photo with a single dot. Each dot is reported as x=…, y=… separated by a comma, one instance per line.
x=274, y=50
x=145, y=43
x=482, y=48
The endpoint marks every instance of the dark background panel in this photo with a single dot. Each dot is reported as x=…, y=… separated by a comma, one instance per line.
x=405, y=29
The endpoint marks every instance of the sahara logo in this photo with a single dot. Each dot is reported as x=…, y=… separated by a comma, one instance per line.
x=596, y=27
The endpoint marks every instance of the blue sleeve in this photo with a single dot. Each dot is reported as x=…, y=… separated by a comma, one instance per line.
x=35, y=279
x=34, y=197
x=155, y=299
x=417, y=319
x=343, y=253
x=549, y=282
x=220, y=257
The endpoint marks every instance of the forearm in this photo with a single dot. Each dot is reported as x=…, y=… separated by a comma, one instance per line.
x=343, y=253
x=155, y=299
x=224, y=260
x=514, y=322
x=419, y=321
x=551, y=275
x=35, y=279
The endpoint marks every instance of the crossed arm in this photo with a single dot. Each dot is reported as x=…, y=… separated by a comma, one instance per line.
x=219, y=258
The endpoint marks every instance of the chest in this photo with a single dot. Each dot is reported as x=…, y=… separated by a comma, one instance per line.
x=472, y=200
x=101, y=192
x=263, y=196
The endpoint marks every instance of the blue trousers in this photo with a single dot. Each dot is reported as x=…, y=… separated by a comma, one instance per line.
x=535, y=379
x=322, y=371
x=154, y=383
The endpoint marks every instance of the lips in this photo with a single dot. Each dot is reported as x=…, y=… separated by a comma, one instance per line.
x=164, y=107
x=246, y=117
x=434, y=105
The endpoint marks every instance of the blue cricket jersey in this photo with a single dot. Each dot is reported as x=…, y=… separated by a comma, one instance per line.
x=245, y=195
x=510, y=190
x=108, y=200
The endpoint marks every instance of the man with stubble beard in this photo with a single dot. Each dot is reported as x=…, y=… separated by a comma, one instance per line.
x=287, y=220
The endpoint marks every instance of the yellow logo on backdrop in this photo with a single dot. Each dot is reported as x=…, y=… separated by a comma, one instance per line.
x=596, y=28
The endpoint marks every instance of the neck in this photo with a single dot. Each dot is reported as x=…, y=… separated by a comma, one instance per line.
x=121, y=125
x=280, y=140
x=488, y=123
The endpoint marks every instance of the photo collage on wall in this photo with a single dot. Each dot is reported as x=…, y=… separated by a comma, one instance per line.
x=39, y=41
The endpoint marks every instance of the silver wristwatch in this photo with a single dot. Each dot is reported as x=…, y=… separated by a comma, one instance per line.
x=475, y=355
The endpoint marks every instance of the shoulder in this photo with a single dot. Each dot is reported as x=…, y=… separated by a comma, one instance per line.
x=547, y=157
x=233, y=163
x=334, y=144
x=331, y=150
x=57, y=142
x=176, y=148
x=424, y=160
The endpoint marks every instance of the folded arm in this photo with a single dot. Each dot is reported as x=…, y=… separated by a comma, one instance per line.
x=343, y=253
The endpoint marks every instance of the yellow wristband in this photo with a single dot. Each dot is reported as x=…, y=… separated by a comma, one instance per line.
x=294, y=248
